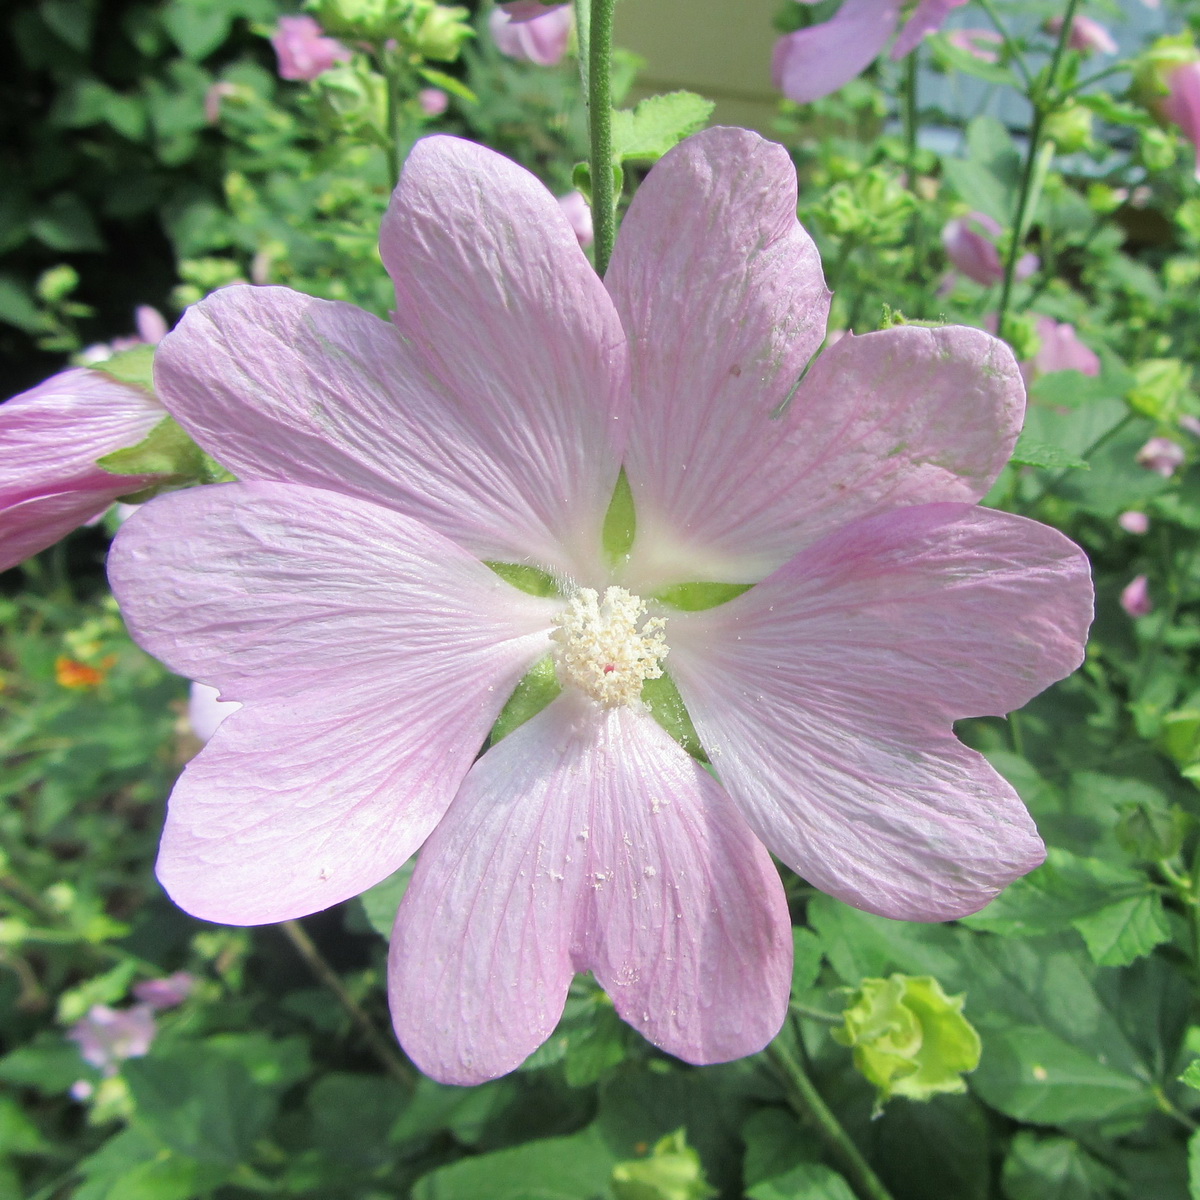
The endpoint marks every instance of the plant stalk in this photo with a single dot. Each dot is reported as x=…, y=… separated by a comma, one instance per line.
x=599, y=106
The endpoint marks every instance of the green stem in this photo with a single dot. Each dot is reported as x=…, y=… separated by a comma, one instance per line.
x=1010, y=46
x=816, y=1014
x=599, y=105
x=391, y=76
x=1043, y=99
x=383, y=1050
x=912, y=121
x=807, y=1103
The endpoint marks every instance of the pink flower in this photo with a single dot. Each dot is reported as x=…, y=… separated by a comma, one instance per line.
x=970, y=245
x=1135, y=597
x=1182, y=104
x=1134, y=522
x=1061, y=350
x=537, y=39
x=1162, y=455
x=303, y=50
x=975, y=42
x=433, y=101
x=167, y=992
x=206, y=710
x=212, y=99
x=816, y=61
x=1086, y=35
x=527, y=10
x=579, y=212
x=50, y=438
x=108, y=1036
x=341, y=593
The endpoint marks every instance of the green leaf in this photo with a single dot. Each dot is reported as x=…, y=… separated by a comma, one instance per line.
x=166, y=450
x=620, y=522
x=537, y=688
x=808, y=1181
x=1191, y=1076
x=353, y=1116
x=695, y=597
x=806, y=959
x=1030, y=453
x=1055, y=1168
x=134, y=366
x=953, y=60
x=648, y=131
x=46, y=1064
x=380, y=903
x=988, y=177
x=597, y=1045
x=1194, y=1166
x=1119, y=933
x=134, y=1166
x=532, y=580
x=65, y=223
x=17, y=307
x=448, y=83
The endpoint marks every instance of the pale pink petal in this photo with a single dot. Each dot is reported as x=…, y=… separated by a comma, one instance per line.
x=151, y=324
x=303, y=50
x=816, y=61
x=540, y=38
x=825, y=696
x=718, y=336
x=1161, y=455
x=167, y=992
x=588, y=840
x=969, y=243
x=975, y=42
x=525, y=10
x=510, y=320
x=579, y=213
x=206, y=710
x=928, y=17
x=372, y=656
x=1061, y=349
x=278, y=385
x=1134, y=522
x=1086, y=35
x=1135, y=597
x=433, y=101
x=1182, y=104
x=50, y=438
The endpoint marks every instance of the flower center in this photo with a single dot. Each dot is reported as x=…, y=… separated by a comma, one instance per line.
x=606, y=647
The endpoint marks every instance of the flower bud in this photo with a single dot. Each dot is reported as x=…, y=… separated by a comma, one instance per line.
x=672, y=1172
x=1070, y=128
x=437, y=32
x=1135, y=597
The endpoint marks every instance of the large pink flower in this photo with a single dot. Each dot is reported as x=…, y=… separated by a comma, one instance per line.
x=50, y=438
x=338, y=593
x=1182, y=104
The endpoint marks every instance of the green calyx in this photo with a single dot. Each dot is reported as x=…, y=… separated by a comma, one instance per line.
x=908, y=1037
x=672, y=1171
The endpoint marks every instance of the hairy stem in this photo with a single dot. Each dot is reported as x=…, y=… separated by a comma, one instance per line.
x=599, y=106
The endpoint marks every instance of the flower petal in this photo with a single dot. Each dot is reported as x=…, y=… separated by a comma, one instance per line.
x=928, y=17
x=817, y=61
x=510, y=319
x=278, y=385
x=372, y=655
x=588, y=840
x=825, y=697
x=721, y=293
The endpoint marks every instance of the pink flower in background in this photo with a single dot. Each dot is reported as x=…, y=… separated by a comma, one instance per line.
x=1182, y=104
x=340, y=593
x=433, y=101
x=206, y=710
x=303, y=50
x=970, y=244
x=1134, y=522
x=1190, y=423
x=1061, y=350
x=106, y=1037
x=976, y=42
x=167, y=992
x=537, y=39
x=215, y=94
x=50, y=438
x=526, y=10
x=1161, y=455
x=579, y=212
x=813, y=62
x=1086, y=35
x=1135, y=597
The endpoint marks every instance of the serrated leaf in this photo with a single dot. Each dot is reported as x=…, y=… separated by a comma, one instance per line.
x=648, y=131
x=1029, y=453
x=1121, y=932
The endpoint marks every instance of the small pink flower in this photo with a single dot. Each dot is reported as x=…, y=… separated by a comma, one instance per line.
x=1086, y=35
x=1134, y=522
x=341, y=592
x=1182, y=104
x=212, y=99
x=1135, y=597
x=433, y=101
x=50, y=438
x=151, y=324
x=970, y=245
x=1162, y=455
x=167, y=992
x=579, y=212
x=303, y=50
x=527, y=10
x=207, y=711
x=1190, y=424
x=537, y=39
x=1061, y=350
x=975, y=42
x=106, y=1037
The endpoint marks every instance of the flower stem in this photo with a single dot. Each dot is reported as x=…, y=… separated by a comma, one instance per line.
x=599, y=106
x=807, y=1102
x=387, y=1055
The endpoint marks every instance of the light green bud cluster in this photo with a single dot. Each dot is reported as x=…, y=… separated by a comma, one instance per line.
x=423, y=27
x=873, y=207
x=671, y=1172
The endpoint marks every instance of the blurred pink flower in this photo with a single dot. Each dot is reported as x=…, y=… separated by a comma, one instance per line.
x=579, y=213
x=303, y=50
x=1134, y=522
x=50, y=438
x=1061, y=350
x=1161, y=455
x=1135, y=597
x=341, y=593
x=106, y=1037
x=537, y=39
x=1182, y=104
x=975, y=42
x=433, y=101
x=813, y=62
x=526, y=10
x=1191, y=424
x=167, y=992
x=206, y=710
x=970, y=245
x=1086, y=35
x=212, y=99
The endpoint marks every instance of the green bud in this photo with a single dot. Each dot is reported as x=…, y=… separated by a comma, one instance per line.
x=353, y=100
x=1150, y=833
x=672, y=1172
x=361, y=20
x=1023, y=336
x=909, y=1038
x=437, y=32
x=1154, y=66
x=56, y=284
x=1070, y=128
x=1103, y=199
x=1162, y=389
x=1158, y=148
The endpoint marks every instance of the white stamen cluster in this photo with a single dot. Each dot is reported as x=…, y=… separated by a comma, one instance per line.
x=604, y=646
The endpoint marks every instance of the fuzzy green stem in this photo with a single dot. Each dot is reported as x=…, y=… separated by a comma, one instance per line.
x=1010, y=46
x=599, y=104
x=804, y=1098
